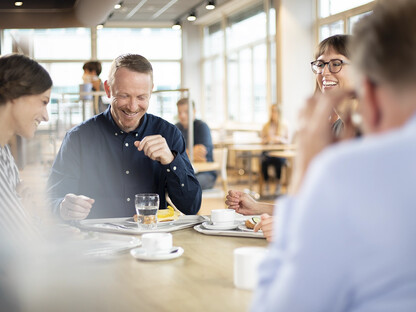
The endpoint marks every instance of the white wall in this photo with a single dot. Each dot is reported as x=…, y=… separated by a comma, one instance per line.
x=297, y=47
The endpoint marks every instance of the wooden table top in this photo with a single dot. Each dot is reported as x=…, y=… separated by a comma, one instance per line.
x=200, y=280
x=261, y=147
x=206, y=166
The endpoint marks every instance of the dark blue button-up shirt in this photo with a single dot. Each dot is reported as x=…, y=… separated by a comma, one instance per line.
x=99, y=160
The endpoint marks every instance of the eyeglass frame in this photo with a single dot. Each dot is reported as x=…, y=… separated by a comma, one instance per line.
x=329, y=67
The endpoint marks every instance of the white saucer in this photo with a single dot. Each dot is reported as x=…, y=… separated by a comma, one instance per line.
x=208, y=225
x=242, y=227
x=141, y=254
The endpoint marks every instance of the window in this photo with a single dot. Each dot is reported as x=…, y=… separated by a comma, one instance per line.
x=152, y=43
x=50, y=44
x=331, y=7
x=339, y=16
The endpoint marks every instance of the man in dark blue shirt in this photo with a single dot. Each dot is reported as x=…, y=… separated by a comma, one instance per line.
x=202, y=151
x=121, y=152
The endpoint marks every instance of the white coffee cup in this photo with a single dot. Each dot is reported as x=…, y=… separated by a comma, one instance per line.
x=222, y=216
x=157, y=242
x=246, y=264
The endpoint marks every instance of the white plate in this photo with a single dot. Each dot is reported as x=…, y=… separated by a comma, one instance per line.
x=209, y=226
x=141, y=254
x=242, y=227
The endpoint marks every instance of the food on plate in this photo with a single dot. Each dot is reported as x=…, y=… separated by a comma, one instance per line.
x=251, y=223
x=163, y=215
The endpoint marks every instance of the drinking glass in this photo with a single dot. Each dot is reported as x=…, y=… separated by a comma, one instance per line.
x=147, y=205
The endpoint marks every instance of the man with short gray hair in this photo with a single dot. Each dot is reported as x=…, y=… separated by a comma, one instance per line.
x=344, y=238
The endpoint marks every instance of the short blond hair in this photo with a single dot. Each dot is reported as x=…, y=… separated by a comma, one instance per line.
x=133, y=62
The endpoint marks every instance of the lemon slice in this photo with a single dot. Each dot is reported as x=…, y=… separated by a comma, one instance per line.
x=166, y=213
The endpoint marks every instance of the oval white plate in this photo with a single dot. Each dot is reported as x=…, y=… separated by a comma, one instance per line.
x=208, y=225
x=242, y=227
x=141, y=254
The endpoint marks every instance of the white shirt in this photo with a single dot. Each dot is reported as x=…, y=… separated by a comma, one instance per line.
x=347, y=241
x=14, y=221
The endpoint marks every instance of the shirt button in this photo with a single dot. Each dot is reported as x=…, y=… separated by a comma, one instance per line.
x=116, y=134
x=168, y=170
x=182, y=185
x=127, y=172
x=127, y=144
x=174, y=167
x=121, y=132
x=128, y=199
x=137, y=134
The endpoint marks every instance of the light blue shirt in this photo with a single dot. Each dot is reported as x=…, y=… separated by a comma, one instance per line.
x=347, y=242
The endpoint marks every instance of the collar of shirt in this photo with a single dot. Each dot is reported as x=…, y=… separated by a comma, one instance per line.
x=114, y=128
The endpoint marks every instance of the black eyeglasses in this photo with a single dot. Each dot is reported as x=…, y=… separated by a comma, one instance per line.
x=334, y=66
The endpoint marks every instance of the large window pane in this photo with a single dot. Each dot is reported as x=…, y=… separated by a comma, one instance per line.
x=246, y=27
x=259, y=83
x=213, y=40
x=335, y=28
x=213, y=91
x=354, y=19
x=51, y=44
x=66, y=77
x=152, y=43
x=330, y=7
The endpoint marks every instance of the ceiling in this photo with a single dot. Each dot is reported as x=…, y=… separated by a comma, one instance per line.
x=88, y=13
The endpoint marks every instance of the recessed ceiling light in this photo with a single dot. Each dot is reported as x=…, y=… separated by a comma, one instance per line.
x=18, y=3
x=117, y=6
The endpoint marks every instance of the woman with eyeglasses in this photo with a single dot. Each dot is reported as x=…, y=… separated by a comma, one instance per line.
x=332, y=70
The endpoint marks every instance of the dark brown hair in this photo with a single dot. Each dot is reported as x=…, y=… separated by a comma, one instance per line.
x=20, y=76
x=338, y=43
x=93, y=66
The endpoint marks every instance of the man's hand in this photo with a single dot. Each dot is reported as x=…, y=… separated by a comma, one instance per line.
x=315, y=132
x=156, y=148
x=266, y=225
x=75, y=207
x=200, y=153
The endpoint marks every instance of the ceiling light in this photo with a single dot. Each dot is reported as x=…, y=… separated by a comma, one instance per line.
x=18, y=3
x=191, y=17
x=100, y=26
x=177, y=25
x=117, y=6
x=210, y=5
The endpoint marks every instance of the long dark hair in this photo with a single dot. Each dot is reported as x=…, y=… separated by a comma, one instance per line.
x=20, y=76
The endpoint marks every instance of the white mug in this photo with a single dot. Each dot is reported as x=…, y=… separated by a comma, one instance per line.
x=246, y=264
x=157, y=242
x=222, y=216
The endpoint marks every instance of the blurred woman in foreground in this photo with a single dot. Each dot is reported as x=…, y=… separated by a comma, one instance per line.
x=25, y=89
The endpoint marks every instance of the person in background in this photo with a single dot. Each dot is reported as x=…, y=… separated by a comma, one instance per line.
x=273, y=132
x=332, y=73
x=92, y=71
x=25, y=89
x=122, y=152
x=203, y=147
x=344, y=239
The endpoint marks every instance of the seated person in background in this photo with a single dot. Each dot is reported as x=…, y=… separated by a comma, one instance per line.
x=202, y=142
x=344, y=239
x=121, y=152
x=274, y=132
x=25, y=89
x=92, y=71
